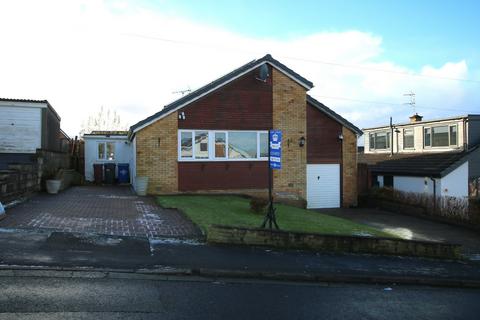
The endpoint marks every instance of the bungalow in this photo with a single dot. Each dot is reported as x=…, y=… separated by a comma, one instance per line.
x=215, y=140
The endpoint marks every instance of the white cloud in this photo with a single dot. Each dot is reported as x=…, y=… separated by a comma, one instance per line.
x=81, y=55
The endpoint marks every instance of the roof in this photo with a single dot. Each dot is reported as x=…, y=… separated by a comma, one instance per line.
x=49, y=106
x=332, y=114
x=434, y=165
x=197, y=94
x=426, y=121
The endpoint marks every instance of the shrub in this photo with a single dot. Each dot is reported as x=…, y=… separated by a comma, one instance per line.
x=258, y=205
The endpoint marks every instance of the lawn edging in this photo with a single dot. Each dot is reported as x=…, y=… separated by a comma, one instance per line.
x=218, y=234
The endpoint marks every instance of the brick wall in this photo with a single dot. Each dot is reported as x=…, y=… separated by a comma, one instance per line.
x=349, y=166
x=289, y=115
x=157, y=155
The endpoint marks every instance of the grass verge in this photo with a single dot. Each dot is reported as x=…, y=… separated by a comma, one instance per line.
x=235, y=211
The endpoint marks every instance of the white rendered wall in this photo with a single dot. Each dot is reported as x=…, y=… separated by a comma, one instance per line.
x=123, y=153
x=413, y=184
x=455, y=184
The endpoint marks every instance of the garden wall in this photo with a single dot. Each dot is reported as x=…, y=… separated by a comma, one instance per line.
x=331, y=243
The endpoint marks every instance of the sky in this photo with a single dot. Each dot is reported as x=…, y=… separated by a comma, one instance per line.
x=134, y=56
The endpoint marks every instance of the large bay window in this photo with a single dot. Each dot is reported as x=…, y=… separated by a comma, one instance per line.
x=221, y=145
x=379, y=140
x=440, y=136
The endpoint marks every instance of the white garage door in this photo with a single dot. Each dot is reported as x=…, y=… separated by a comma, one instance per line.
x=323, y=186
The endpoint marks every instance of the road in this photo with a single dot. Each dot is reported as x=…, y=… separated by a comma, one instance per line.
x=84, y=296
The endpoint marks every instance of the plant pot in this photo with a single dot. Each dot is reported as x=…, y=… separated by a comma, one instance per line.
x=53, y=186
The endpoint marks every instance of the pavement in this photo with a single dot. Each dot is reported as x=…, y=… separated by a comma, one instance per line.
x=412, y=228
x=111, y=210
x=64, y=295
x=23, y=249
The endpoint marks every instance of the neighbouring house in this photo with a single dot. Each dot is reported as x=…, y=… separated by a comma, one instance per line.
x=436, y=157
x=103, y=147
x=31, y=145
x=215, y=140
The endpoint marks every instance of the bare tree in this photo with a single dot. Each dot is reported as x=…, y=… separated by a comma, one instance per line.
x=104, y=120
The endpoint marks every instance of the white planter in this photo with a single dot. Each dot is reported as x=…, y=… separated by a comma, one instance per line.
x=141, y=185
x=53, y=186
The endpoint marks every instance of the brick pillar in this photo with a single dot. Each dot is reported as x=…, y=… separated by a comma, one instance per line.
x=289, y=115
x=157, y=155
x=349, y=166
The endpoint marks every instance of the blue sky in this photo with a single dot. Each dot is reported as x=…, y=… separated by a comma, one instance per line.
x=414, y=33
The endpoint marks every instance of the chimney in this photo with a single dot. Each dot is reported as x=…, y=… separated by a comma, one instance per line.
x=415, y=118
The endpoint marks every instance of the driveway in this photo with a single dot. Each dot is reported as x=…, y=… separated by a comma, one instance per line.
x=409, y=227
x=103, y=210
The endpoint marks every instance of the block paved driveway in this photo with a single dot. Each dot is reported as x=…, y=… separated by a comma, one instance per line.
x=99, y=209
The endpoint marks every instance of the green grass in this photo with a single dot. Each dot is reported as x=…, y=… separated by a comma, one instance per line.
x=235, y=211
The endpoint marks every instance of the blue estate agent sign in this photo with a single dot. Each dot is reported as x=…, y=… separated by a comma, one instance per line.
x=275, y=149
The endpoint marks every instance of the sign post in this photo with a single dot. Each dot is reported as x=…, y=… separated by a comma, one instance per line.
x=274, y=162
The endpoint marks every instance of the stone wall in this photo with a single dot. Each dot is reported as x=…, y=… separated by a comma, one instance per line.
x=157, y=155
x=331, y=243
x=290, y=116
x=349, y=168
x=18, y=181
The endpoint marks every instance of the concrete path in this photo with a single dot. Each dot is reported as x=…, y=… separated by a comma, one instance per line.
x=409, y=227
x=102, y=210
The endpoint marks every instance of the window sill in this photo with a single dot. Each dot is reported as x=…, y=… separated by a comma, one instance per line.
x=223, y=160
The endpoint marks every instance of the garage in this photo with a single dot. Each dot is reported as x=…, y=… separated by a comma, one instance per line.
x=323, y=186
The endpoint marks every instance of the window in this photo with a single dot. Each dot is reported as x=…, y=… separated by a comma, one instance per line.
x=242, y=145
x=440, y=136
x=201, y=144
x=186, y=145
x=263, y=136
x=106, y=150
x=220, y=144
x=101, y=150
x=453, y=135
x=379, y=140
x=226, y=145
x=427, y=142
x=408, y=139
x=388, y=181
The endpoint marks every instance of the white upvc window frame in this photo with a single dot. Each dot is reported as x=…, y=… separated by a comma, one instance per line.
x=403, y=138
x=387, y=137
x=211, y=146
x=449, y=126
x=105, y=158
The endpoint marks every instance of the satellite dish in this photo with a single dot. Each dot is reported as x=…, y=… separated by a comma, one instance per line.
x=263, y=73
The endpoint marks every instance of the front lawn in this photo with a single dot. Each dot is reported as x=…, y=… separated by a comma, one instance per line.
x=235, y=211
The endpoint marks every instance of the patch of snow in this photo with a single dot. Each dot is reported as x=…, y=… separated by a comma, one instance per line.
x=109, y=196
x=387, y=289
x=362, y=234
x=192, y=242
x=2, y=210
x=5, y=230
x=474, y=256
